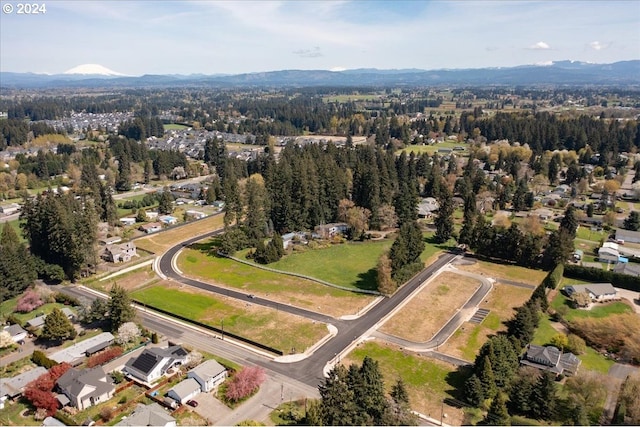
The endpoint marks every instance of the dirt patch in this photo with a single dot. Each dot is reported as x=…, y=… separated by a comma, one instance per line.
x=133, y=280
x=432, y=307
x=502, y=302
x=506, y=271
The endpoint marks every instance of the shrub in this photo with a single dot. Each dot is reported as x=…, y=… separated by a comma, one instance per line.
x=13, y=320
x=624, y=281
x=154, y=338
x=117, y=376
x=122, y=400
x=29, y=301
x=41, y=359
x=66, y=299
x=106, y=413
x=104, y=357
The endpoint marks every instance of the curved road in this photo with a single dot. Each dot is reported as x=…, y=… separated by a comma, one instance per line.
x=310, y=370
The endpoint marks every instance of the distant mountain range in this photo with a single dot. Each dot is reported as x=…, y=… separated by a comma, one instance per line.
x=556, y=73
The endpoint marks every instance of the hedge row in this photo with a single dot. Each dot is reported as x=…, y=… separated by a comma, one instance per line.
x=553, y=278
x=619, y=280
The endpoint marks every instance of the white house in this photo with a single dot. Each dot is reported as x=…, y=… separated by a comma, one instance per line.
x=184, y=390
x=10, y=208
x=598, y=292
x=119, y=253
x=126, y=221
x=17, y=333
x=168, y=219
x=195, y=214
x=208, y=374
x=154, y=362
x=85, y=388
x=608, y=255
x=329, y=230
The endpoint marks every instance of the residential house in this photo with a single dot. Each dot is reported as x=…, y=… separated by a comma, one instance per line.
x=17, y=333
x=598, y=292
x=85, y=388
x=126, y=221
x=168, y=219
x=628, y=236
x=330, y=230
x=551, y=359
x=627, y=268
x=208, y=374
x=149, y=415
x=52, y=422
x=427, y=207
x=10, y=208
x=119, y=253
x=110, y=240
x=184, y=390
x=195, y=214
x=84, y=348
x=610, y=255
x=14, y=386
x=152, y=227
x=152, y=215
x=38, y=322
x=154, y=362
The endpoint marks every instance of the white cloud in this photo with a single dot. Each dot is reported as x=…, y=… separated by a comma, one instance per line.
x=337, y=69
x=540, y=46
x=596, y=45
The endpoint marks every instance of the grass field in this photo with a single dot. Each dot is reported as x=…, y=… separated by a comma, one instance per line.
x=9, y=306
x=174, y=126
x=351, y=265
x=444, y=295
x=11, y=415
x=198, y=262
x=585, y=233
x=501, y=301
x=428, y=381
x=158, y=243
x=274, y=328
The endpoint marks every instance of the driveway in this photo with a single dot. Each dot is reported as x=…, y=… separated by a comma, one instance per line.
x=210, y=408
x=632, y=296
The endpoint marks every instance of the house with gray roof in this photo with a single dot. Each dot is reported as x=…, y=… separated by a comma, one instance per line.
x=209, y=374
x=86, y=388
x=627, y=268
x=598, y=292
x=184, y=390
x=14, y=386
x=38, y=322
x=83, y=348
x=154, y=362
x=149, y=415
x=628, y=236
x=551, y=359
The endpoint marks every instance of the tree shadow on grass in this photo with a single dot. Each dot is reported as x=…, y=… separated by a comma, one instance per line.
x=367, y=280
x=208, y=248
x=456, y=379
x=446, y=246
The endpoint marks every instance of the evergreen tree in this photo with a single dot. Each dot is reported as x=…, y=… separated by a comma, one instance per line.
x=543, y=398
x=569, y=222
x=57, y=326
x=256, y=202
x=386, y=284
x=473, y=390
x=120, y=309
x=444, y=220
x=372, y=399
x=165, y=204
x=521, y=390
x=486, y=377
x=337, y=406
x=498, y=414
x=16, y=264
x=632, y=222
x=558, y=249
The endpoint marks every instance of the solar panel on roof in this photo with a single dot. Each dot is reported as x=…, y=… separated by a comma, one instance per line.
x=145, y=362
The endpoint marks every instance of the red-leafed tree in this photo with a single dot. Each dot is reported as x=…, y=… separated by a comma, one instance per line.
x=38, y=392
x=104, y=357
x=245, y=383
x=59, y=370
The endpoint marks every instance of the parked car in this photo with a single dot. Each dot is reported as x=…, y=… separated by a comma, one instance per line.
x=192, y=403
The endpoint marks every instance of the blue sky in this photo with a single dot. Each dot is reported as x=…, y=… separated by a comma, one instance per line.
x=210, y=37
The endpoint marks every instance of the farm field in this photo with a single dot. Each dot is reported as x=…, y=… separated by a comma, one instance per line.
x=501, y=301
x=174, y=126
x=273, y=328
x=443, y=296
x=158, y=243
x=428, y=381
x=430, y=149
x=198, y=263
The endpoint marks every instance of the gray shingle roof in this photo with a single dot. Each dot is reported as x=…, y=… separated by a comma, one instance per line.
x=147, y=415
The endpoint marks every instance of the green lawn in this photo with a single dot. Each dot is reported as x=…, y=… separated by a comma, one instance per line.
x=350, y=264
x=9, y=306
x=585, y=233
x=265, y=326
x=10, y=415
x=418, y=149
x=598, y=311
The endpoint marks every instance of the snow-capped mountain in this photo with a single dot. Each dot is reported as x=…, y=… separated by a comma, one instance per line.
x=93, y=70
